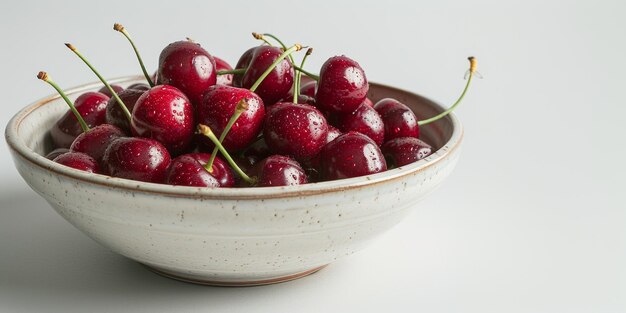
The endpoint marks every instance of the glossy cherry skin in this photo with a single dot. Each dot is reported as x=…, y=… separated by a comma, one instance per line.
x=91, y=106
x=141, y=159
x=96, y=140
x=280, y=80
x=217, y=108
x=405, y=150
x=138, y=86
x=188, y=170
x=256, y=152
x=342, y=86
x=188, y=67
x=115, y=115
x=364, y=120
x=351, y=155
x=243, y=63
x=221, y=65
x=309, y=89
x=278, y=170
x=399, y=120
x=56, y=152
x=79, y=161
x=116, y=88
x=296, y=130
x=312, y=165
x=164, y=113
x=302, y=99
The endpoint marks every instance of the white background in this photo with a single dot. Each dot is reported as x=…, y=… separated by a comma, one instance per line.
x=530, y=221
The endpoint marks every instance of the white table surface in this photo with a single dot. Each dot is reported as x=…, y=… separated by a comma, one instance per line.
x=532, y=220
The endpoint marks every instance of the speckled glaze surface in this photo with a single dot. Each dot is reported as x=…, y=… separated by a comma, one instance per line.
x=231, y=236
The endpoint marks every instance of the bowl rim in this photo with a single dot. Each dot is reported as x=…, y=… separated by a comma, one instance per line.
x=19, y=147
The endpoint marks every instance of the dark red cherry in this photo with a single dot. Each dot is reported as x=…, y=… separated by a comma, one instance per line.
x=256, y=152
x=399, y=120
x=91, y=106
x=309, y=89
x=297, y=130
x=219, y=105
x=351, y=155
x=312, y=165
x=278, y=170
x=116, y=88
x=95, y=141
x=342, y=86
x=79, y=161
x=115, y=115
x=302, y=99
x=221, y=65
x=243, y=63
x=164, y=113
x=136, y=158
x=405, y=150
x=364, y=120
x=188, y=67
x=188, y=170
x=138, y=86
x=332, y=133
x=280, y=80
x=56, y=152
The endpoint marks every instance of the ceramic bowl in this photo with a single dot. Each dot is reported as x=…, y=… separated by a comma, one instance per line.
x=231, y=236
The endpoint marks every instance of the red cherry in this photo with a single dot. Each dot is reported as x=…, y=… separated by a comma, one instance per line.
x=399, y=120
x=254, y=153
x=312, y=165
x=95, y=141
x=278, y=170
x=243, y=63
x=280, y=80
x=217, y=108
x=302, y=99
x=405, y=150
x=309, y=89
x=188, y=67
x=221, y=65
x=115, y=115
x=188, y=170
x=116, y=88
x=342, y=86
x=164, y=113
x=79, y=161
x=56, y=152
x=138, y=86
x=296, y=130
x=364, y=120
x=351, y=155
x=135, y=158
x=91, y=106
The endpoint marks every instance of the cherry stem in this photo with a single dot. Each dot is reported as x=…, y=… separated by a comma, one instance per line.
x=241, y=107
x=206, y=131
x=298, y=80
x=119, y=101
x=472, y=71
x=296, y=47
x=44, y=76
x=307, y=73
x=280, y=43
x=121, y=29
x=261, y=37
x=235, y=71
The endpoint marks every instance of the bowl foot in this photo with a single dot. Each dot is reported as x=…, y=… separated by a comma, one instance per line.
x=250, y=283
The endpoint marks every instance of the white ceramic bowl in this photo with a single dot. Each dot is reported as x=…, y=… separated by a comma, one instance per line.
x=230, y=236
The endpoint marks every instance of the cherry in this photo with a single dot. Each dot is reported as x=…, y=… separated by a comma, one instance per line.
x=96, y=140
x=221, y=65
x=342, y=85
x=136, y=158
x=188, y=67
x=217, y=108
x=91, y=106
x=302, y=99
x=405, y=150
x=278, y=170
x=114, y=113
x=309, y=89
x=79, y=161
x=399, y=120
x=105, y=90
x=164, y=113
x=242, y=64
x=364, y=120
x=139, y=86
x=332, y=133
x=295, y=130
x=256, y=152
x=189, y=170
x=312, y=165
x=56, y=152
x=279, y=81
x=351, y=155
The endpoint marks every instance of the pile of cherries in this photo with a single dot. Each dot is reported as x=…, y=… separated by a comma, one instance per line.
x=199, y=122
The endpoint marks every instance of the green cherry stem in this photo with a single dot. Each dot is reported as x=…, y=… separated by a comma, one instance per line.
x=235, y=71
x=241, y=107
x=280, y=43
x=120, y=28
x=206, y=131
x=296, y=47
x=298, y=80
x=44, y=76
x=119, y=101
x=307, y=73
x=261, y=37
x=472, y=71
